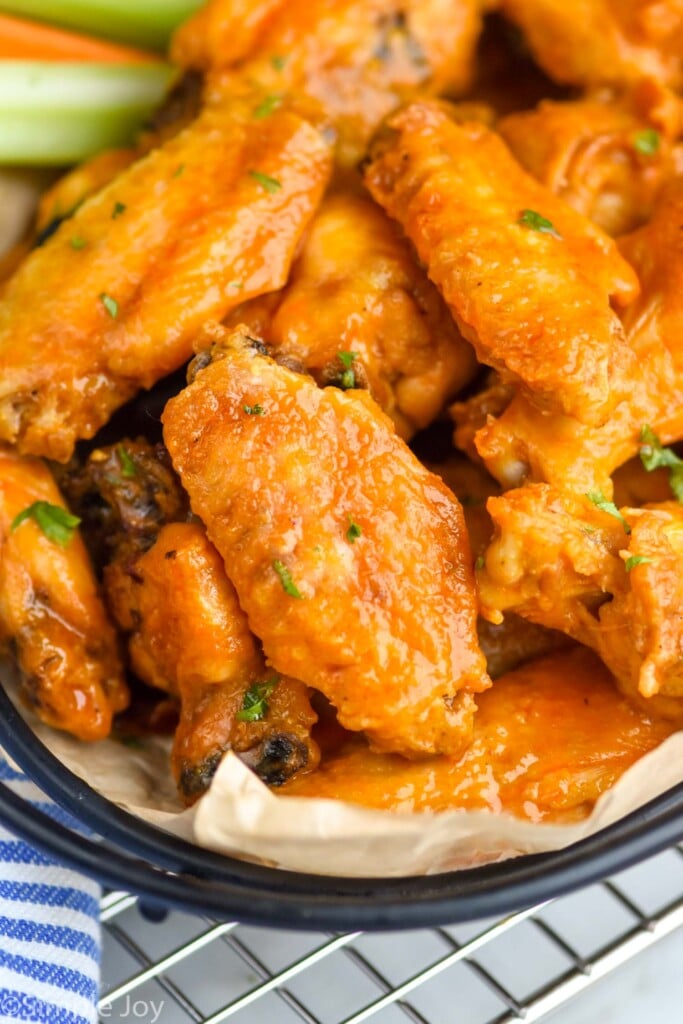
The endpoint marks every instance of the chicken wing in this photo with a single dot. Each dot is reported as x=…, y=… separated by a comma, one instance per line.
x=607, y=155
x=110, y=303
x=356, y=289
x=50, y=608
x=590, y=42
x=352, y=61
x=527, y=279
x=350, y=559
x=527, y=443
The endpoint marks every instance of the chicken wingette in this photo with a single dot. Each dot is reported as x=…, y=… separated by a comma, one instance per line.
x=357, y=295
x=528, y=280
x=349, y=62
x=349, y=558
x=50, y=607
x=112, y=301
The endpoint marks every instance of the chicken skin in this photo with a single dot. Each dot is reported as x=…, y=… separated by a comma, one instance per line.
x=528, y=280
x=608, y=578
x=50, y=607
x=349, y=558
x=606, y=155
x=525, y=443
x=111, y=302
x=591, y=42
x=349, y=62
x=356, y=289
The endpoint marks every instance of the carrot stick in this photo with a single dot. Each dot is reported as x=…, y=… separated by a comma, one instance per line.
x=29, y=40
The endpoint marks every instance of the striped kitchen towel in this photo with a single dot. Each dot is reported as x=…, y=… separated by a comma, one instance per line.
x=49, y=927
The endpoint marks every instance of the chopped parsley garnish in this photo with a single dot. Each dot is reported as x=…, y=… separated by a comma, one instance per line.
x=279, y=61
x=537, y=222
x=635, y=560
x=77, y=242
x=347, y=378
x=601, y=502
x=347, y=359
x=480, y=562
x=654, y=456
x=235, y=285
x=255, y=701
x=111, y=305
x=268, y=184
x=179, y=170
x=647, y=142
x=267, y=106
x=288, y=584
x=128, y=468
x=57, y=524
x=354, y=531
x=254, y=410
x=119, y=208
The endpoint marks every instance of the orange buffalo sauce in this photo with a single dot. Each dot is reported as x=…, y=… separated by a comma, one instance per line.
x=549, y=738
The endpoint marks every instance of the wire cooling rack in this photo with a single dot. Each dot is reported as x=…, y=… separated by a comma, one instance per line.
x=186, y=969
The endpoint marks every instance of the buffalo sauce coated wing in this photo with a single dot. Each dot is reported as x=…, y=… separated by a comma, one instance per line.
x=589, y=42
x=528, y=280
x=350, y=559
x=351, y=61
x=356, y=289
x=111, y=302
x=50, y=609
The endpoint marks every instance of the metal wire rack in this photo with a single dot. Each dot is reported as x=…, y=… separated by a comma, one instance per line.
x=522, y=967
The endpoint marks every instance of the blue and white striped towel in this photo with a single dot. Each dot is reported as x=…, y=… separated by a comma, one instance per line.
x=49, y=927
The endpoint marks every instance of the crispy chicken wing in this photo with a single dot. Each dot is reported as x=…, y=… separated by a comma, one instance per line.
x=350, y=559
x=590, y=42
x=50, y=608
x=352, y=61
x=607, y=155
x=526, y=443
x=527, y=279
x=356, y=288
x=110, y=303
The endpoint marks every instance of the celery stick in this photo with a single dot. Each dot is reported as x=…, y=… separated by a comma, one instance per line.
x=148, y=24
x=57, y=113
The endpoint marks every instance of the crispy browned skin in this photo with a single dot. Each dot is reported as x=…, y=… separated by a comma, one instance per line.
x=198, y=233
x=525, y=443
x=356, y=288
x=51, y=611
x=589, y=42
x=587, y=151
x=384, y=624
x=559, y=561
x=189, y=636
x=350, y=62
x=549, y=738
x=535, y=306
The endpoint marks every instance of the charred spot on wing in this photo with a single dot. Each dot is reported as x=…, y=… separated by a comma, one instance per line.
x=195, y=779
x=51, y=228
x=282, y=756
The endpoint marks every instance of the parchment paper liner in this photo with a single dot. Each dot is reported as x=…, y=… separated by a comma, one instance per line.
x=241, y=817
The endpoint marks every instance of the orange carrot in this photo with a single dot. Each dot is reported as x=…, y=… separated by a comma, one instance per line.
x=29, y=40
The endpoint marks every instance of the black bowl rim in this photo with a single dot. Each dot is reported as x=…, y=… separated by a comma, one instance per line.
x=167, y=871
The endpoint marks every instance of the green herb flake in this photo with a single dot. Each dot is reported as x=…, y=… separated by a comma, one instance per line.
x=279, y=61
x=179, y=170
x=635, y=560
x=268, y=184
x=254, y=410
x=647, y=142
x=354, y=531
x=119, y=208
x=347, y=359
x=236, y=286
x=347, y=380
x=288, y=584
x=537, y=222
x=653, y=455
x=134, y=742
x=601, y=502
x=77, y=242
x=267, y=106
x=128, y=467
x=480, y=562
x=111, y=305
x=56, y=522
x=255, y=701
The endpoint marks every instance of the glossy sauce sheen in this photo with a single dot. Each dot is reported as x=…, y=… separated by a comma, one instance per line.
x=549, y=738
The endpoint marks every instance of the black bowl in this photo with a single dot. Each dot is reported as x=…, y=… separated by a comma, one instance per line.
x=168, y=872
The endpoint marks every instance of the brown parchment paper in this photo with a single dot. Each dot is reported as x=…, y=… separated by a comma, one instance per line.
x=242, y=817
